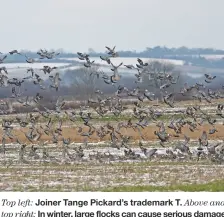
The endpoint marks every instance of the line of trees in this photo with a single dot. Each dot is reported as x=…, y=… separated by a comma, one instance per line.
x=191, y=56
x=156, y=52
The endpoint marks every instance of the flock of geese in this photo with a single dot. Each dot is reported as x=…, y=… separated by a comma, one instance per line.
x=143, y=113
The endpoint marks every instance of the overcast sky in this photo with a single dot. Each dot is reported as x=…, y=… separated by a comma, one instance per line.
x=76, y=25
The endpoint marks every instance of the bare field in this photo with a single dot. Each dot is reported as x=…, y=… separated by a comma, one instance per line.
x=100, y=171
x=148, y=134
x=98, y=176
x=104, y=168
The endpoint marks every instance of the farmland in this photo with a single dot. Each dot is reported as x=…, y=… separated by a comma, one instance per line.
x=157, y=133
x=104, y=168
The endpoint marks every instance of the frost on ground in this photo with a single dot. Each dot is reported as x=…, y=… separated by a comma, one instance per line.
x=101, y=167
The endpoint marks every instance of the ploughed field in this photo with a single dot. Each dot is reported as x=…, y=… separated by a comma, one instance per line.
x=148, y=134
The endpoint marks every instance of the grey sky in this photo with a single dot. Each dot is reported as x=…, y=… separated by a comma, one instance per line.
x=77, y=25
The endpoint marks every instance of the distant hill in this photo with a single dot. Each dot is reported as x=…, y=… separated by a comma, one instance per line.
x=191, y=56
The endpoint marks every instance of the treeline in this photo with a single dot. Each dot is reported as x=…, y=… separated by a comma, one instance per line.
x=154, y=52
x=191, y=56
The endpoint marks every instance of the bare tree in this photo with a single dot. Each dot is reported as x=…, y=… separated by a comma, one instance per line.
x=91, y=50
x=159, y=74
x=83, y=80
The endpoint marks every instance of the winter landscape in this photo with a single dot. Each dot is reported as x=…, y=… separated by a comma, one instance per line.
x=117, y=96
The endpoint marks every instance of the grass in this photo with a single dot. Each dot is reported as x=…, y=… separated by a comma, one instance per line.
x=216, y=186
x=111, y=117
